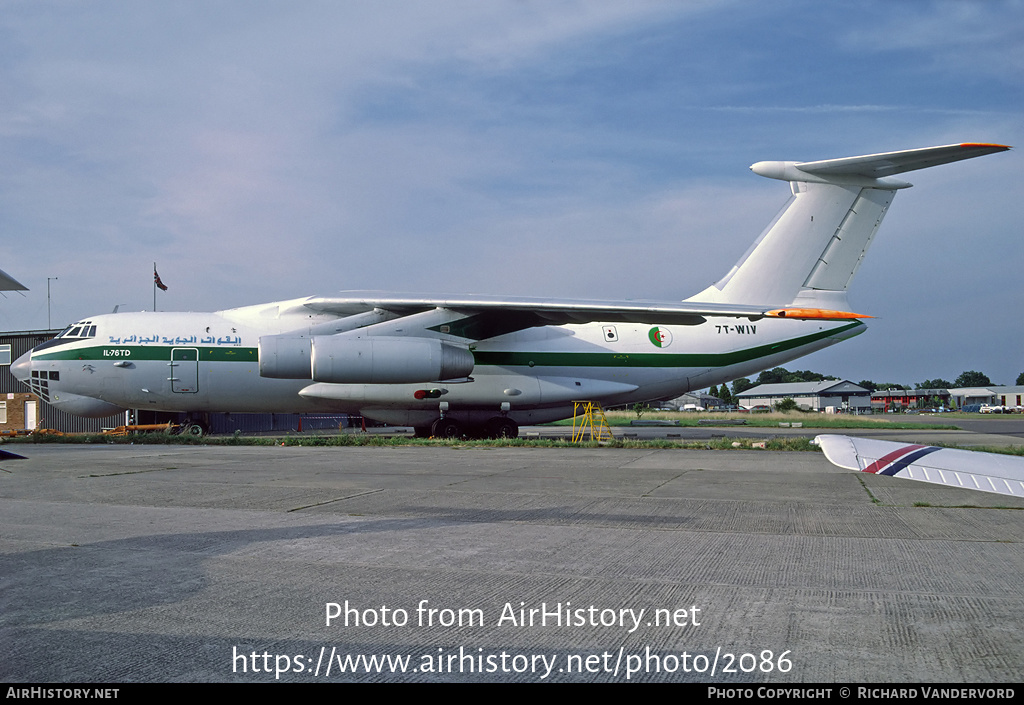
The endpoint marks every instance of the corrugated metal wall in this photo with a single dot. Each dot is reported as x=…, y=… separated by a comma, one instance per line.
x=20, y=343
x=227, y=424
x=263, y=423
x=62, y=421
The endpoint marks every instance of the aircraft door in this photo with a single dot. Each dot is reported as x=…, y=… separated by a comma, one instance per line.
x=184, y=366
x=31, y=410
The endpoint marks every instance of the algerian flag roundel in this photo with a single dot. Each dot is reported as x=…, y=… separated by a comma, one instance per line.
x=661, y=337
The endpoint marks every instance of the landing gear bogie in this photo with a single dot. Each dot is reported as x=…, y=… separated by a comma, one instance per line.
x=501, y=427
x=497, y=427
x=447, y=428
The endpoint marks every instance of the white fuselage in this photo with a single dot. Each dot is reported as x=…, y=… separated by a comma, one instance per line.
x=209, y=362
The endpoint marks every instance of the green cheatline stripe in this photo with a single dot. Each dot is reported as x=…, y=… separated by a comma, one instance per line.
x=504, y=359
x=575, y=359
x=147, y=352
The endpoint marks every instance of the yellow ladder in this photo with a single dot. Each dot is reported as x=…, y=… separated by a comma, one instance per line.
x=589, y=414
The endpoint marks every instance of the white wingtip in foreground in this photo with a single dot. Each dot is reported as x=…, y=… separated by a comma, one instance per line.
x=973, y=470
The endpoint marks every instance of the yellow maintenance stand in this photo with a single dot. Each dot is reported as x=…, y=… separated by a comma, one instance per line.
x=590, y=415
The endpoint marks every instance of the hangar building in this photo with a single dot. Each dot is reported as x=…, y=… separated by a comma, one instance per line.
x=815, y=396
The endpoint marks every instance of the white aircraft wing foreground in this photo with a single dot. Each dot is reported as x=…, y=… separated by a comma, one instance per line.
x=973, y=470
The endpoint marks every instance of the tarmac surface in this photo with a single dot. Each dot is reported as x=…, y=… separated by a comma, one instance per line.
x=977, y=430
x=192, y=563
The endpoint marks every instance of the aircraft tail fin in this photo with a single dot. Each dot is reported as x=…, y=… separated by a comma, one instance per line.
x=811, y=251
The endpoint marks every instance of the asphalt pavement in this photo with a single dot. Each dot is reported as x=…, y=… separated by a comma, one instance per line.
x=386, y=564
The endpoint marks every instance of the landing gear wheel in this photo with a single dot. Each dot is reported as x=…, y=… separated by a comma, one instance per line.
x=502, y=427
x=196, y=429
x=447, y=428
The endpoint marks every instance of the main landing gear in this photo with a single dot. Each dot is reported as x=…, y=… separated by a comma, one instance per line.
x=501, y=427
x=447, y=427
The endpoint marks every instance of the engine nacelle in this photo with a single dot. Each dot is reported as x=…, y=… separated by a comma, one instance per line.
x=285, y=356
x=387, y=360
x=342, y=359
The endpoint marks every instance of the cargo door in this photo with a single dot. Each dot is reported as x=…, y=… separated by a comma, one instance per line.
x=184, y=367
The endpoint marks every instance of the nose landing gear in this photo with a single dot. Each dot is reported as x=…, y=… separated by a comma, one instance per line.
x=195, y=427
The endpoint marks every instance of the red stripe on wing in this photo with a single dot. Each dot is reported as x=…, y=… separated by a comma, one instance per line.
x=891, y=457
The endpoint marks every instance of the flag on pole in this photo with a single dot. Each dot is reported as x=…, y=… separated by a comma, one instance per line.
x=156, y=280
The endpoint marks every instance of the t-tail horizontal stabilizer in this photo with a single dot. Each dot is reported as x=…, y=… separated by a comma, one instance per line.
x=809, y=254
x=973, y=470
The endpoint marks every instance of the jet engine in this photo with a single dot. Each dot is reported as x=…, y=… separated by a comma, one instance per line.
x=341, y=359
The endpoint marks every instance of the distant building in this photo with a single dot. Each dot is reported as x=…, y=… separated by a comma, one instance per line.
x=965, y=396
x=1010, y=395
x=959, y=397
x=885, y=400
x=692, y=400
x=1002, y=396
x=811, y=396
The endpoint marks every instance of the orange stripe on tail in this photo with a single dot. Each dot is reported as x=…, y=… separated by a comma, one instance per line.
x=814, y=313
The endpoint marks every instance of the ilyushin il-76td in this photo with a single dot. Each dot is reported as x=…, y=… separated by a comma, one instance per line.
x=482, y=366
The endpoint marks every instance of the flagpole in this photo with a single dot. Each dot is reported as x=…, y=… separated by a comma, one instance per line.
x=157, y=284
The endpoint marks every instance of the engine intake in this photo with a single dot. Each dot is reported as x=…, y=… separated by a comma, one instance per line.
x=285, y=356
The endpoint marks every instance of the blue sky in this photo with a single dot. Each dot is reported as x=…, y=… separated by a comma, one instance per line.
x=267, y=150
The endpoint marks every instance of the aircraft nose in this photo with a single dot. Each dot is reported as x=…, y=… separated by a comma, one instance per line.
x=22, y=367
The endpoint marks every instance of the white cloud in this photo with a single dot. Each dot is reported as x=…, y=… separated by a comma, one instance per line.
x=962, y=38
x=262, y=150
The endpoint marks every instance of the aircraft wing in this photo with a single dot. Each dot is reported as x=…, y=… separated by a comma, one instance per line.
x=9, y=283
x=553, y=311
x=509, y=314
x=974, y=470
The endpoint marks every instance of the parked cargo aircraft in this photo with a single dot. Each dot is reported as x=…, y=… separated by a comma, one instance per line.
x=454, y=365
x=972, y=470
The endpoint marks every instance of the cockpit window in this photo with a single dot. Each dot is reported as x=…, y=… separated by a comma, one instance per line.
x=83, y=329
